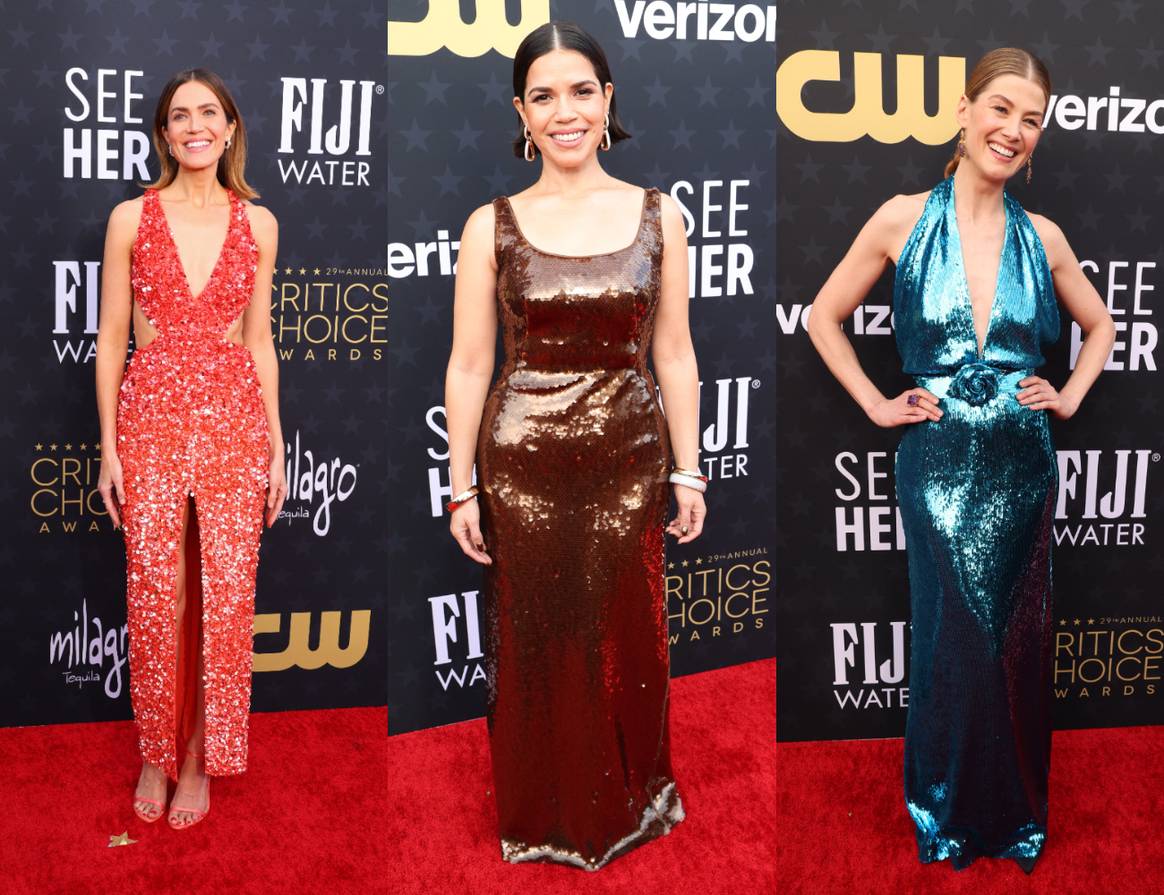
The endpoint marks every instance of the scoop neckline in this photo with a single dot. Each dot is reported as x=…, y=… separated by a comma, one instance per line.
x=628, y=247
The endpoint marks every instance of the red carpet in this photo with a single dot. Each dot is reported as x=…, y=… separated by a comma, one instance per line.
x=443, y=827
x=843, y=826
x=307, y=817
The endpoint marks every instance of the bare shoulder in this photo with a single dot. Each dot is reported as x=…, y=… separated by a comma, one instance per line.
x=125, y=217
x=261, y=218
x=1049, y=232
x=669, y=210
x=480, y=223
x=901, y=211
x=891, y=224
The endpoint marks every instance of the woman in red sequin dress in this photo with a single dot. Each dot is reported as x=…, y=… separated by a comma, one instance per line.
x=587, y=276
x=191, y=446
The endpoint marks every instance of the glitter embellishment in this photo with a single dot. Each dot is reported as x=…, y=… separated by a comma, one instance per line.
x=572, y=462
x=191, y=422
x=976, y=384
x=977, y=493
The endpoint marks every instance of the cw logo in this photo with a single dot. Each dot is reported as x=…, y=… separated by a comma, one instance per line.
x=444, y=27
x=299, y=653
x=868, y=115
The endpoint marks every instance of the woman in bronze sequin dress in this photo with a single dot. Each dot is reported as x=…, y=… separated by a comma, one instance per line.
x=191, y=447
x=587, y=274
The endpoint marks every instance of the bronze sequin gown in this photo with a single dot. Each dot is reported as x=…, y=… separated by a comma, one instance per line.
x=572, y=460
x=191, y=424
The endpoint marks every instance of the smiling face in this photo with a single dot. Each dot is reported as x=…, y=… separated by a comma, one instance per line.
x=196, y=126
x=564, y=107
x=1003, y=124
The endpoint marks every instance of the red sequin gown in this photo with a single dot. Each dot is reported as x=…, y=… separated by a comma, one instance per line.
x=572, y=460
x=191, y=424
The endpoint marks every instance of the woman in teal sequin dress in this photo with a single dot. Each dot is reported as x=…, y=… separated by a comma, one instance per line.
x=974, y=304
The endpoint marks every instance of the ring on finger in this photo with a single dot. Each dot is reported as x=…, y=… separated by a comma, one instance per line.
x=912, y=400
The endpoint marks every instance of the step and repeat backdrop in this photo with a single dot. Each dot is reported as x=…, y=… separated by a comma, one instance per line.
x=865, y=97
x=694, y=86
x=81, y=82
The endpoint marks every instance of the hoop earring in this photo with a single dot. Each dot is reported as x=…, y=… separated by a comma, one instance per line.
x=962, y=144
x=1029, y=157
x=605, y=144
x=530, y=153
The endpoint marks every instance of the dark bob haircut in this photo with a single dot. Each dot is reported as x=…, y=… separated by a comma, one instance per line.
x=562, y=36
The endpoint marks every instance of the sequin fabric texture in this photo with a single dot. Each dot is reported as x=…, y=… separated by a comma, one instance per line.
x=976, y=491
x=190, y=422
x=573, y=458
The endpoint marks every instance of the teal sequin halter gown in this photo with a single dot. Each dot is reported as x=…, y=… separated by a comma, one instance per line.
x=977, y=491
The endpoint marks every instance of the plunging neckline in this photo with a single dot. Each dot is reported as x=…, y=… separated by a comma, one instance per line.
x=956, y=239
x=178, y=254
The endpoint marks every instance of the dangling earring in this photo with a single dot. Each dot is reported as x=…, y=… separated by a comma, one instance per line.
x=170, y=146
x=962, y=144
x=605, y=144
x=1029, y=157
x=529, y=153
x=228, y=142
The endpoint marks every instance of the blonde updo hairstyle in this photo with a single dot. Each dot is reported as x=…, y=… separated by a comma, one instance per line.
x=995, y=64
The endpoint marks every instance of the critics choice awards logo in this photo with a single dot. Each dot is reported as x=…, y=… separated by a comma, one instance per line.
x=1102, y=499
x=63, y=496
x=1108, y=657
x=330, y=313
x=718, y=595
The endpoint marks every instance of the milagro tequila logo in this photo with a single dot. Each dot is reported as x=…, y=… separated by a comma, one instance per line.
x=346, y=142
x=869, y=665
x=90, y=651
x=316, y=484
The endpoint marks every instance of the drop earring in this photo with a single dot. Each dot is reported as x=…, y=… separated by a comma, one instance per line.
x=1029, y=167
x=605, y=144
x=962, y=144
x=530, y=154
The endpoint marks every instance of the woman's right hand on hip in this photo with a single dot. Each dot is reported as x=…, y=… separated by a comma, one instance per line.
x=914, y=405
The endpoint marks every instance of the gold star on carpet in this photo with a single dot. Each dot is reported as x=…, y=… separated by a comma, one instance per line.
x=122, y=839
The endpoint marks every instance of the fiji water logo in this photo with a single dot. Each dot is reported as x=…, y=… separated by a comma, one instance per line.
x=316, y=484
x=87, y=648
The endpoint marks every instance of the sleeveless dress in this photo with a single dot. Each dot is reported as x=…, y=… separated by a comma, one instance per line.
x=191, y=423
x=572, y=460
x=977, y=491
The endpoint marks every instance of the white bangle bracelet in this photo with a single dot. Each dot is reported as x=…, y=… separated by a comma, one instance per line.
x=689, y=481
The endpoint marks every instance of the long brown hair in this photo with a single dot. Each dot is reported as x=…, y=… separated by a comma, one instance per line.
x=232, y=164
x=1003, y=61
